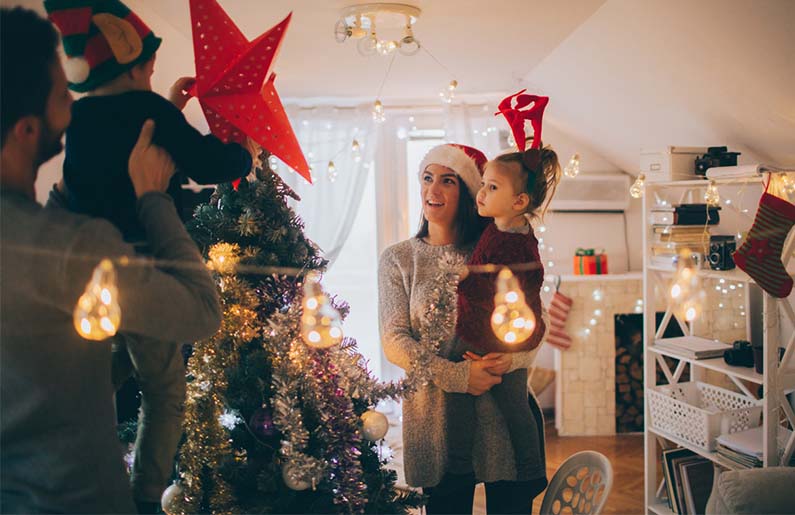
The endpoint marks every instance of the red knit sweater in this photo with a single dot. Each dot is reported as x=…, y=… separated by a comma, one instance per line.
x=476, y=292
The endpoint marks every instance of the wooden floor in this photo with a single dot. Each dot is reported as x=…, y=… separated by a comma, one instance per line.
x=625, y=453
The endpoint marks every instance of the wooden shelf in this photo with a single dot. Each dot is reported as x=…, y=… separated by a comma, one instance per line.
x=717, y=364
x=661, y=508
x=696, y=183
x=710, y=455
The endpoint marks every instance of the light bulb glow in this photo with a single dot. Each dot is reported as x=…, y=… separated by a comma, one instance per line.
x=572, y=169
x=224, y=257
x=638, y=187
x=379, y=116
x=712, y=196
x=332, y=171
x=448, y=94
x=512, y=320
x=320, y=322
x=97, y=315
x=687, y=296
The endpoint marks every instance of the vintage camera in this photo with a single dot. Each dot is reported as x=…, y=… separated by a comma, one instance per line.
x=740, y=355
x=721, y=249
x=715, y=156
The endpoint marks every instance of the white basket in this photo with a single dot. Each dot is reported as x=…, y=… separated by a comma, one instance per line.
x=699, y=412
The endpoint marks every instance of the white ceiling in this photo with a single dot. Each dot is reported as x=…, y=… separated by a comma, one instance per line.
x=622, y=74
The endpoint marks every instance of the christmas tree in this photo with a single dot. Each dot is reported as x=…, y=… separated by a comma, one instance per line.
x=274, y=425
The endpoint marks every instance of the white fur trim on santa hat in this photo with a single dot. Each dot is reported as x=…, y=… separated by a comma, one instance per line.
x=457, y=160
x=76, y=69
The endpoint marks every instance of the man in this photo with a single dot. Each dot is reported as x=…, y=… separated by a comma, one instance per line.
x=58, y=447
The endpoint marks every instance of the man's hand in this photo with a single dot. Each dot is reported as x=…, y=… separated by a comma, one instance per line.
x=500, y=362
x=178, y=94
x=480, y=379
x=150, y=166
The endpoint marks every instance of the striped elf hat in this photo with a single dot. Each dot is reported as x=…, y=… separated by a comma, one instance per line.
x=102, y=39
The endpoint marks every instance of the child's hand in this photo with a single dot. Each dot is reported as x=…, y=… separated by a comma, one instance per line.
x=255, y=150
x=178, y=94
x=501, y=362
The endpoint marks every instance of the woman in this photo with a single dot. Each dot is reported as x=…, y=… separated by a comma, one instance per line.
x=450, y=177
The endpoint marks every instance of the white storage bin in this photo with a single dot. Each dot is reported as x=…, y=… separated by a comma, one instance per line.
x=699, y=412
x=670, y=163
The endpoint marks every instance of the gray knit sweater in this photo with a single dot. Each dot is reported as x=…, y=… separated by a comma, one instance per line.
x=406, y=275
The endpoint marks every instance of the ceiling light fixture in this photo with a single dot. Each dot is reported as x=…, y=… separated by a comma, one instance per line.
x=359, y=22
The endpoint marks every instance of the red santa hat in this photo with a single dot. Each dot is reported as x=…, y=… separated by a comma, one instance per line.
x=466, y=162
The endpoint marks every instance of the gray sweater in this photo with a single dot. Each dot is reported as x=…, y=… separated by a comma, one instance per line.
x=58, y=447
x=406, y=276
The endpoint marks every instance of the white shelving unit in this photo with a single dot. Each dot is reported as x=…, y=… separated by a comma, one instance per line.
x=775, y=380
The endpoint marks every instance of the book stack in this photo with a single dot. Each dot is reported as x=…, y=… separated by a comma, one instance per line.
x=692, y=347
x=680, y=227
x=745, y=447
x=688, y=479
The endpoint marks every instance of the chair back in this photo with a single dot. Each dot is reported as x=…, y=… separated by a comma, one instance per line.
x=579, y=486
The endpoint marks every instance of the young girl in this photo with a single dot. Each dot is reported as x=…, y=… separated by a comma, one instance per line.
x=513, y=190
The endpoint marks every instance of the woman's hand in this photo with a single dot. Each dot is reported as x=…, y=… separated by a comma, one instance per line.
x=480, y=379
x=178, y=94
x=500, y=361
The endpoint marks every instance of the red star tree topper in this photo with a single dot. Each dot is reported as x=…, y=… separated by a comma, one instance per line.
x=231, y=85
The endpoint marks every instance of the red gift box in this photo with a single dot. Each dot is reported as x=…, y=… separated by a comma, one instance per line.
x=588, y=262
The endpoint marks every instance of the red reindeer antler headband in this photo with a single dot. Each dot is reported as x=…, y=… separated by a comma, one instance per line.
x=516, y=116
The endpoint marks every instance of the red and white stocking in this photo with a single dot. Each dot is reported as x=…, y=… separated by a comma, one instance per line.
x=760, y=254
x=558, y=313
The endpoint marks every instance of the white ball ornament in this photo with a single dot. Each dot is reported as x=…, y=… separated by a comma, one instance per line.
x=171, y=494
x=76, y=69
x=292, y=480
x=374, y=425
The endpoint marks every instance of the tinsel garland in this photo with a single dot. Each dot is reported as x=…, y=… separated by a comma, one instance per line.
x=438, y=321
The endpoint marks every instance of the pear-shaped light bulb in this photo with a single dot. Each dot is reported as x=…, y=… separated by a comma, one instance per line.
x=572, y=169
x=636, y=190
x=356, y=151
x=512, y=321
x=378, y=112
x=448, y=94
x=321, y=324
x=712, y=196
x=97, y=314
x=332, y=171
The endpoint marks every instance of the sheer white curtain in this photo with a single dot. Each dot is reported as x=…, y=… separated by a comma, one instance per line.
x=329, y=205
x=474, y=125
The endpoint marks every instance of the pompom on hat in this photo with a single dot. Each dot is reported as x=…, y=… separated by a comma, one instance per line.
x=101, y=38
x=466, y=162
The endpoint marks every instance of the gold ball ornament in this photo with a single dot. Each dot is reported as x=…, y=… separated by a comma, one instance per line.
x=292, y=479
x=374, y=425
x=171, y=494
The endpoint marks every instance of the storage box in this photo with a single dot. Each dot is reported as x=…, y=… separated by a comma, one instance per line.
x=588, y=262
x=699, y=412
x=670, y=163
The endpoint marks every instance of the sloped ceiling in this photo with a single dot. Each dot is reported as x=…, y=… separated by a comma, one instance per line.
x=641, y=74
x=623, y=74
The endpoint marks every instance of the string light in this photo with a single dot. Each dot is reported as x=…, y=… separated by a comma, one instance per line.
x=637, y=188
x=572, y=169
x=97, y=314
x=332, y=171
x=712, y=196
x=356, y=151
x=512, y=320
x=686, y=292
x=448, y=94
x=320, y=322
x=378, y=112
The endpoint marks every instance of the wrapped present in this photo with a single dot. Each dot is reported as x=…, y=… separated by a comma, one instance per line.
x=589, y=262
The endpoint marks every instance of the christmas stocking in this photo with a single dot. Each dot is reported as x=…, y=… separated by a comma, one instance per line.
x=760, y=254
x=558, y=313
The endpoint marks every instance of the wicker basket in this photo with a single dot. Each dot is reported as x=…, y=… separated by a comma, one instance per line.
x=699, y=412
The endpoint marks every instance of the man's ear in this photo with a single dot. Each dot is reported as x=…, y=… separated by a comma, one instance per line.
x=27, y=128
x=521, y=203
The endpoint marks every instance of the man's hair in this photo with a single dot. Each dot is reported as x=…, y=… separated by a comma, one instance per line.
x=28, y=46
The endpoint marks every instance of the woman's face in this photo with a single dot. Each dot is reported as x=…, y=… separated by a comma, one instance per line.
x=440, y=192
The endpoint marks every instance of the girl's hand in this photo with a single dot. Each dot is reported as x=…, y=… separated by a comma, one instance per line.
x=500, y=361
x=480, y=379
x=178, y=94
